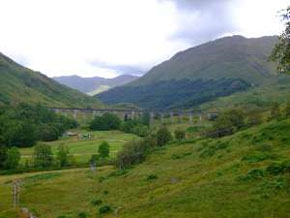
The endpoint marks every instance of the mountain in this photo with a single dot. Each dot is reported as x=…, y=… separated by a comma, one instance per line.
x=94, y=85
x=201, y=74
x=19, y=84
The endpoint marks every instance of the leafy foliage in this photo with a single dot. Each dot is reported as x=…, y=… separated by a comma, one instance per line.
x=24, y=124
x=179, y=134
x=107, y=121
x=281, y=52
x=163, y=136
x=104, y=150
x=42, y=156
x=13, y=158
x=62, y=155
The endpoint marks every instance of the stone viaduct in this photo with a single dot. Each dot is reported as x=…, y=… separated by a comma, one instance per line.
x=127, y=114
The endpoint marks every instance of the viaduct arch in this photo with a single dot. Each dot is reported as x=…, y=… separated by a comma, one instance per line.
x=126, y=114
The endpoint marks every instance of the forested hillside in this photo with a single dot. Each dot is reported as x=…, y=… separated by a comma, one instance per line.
x=215, y=69
x=19, y=84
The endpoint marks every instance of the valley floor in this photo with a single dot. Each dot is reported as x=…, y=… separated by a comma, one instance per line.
x=244, y=175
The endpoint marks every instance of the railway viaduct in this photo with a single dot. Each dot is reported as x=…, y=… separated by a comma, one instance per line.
x=126, y=114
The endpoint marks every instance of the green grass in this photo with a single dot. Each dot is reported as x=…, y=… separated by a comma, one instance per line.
x=82, y=149
x=236, y=176
x=20, y=84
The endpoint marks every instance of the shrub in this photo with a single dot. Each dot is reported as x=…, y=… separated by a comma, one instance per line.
x=254, y=174
x=179, y=134
x=275, y=112
x=62, y=155
x=83, y=214
x=3, y=156
x=131, y=153
x=105, y=209
x=13, y=158
x=227, y=123
x=96, y=202
x=42, y=156
x=163, y=136
x=141, y=130
x=151, y=177
x=104, y=150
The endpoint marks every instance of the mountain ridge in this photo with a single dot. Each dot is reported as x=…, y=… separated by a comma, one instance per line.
x=20, y=84
x=94, y=84
x=227, y=60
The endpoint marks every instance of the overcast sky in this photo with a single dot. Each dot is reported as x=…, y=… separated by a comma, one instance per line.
x=112, y=37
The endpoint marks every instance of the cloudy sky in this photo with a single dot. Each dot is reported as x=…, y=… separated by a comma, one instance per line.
x=112, y=37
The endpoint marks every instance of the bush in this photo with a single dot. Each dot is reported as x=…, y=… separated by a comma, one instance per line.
x=96, y=202
x=275, y=112
x=83, y=215
x=227, y=123
x=62, y=155
x=136, y=127
x=42, y=156
x=105, y=122
x=105, y=209
x=163, y=136
x=141, y=130
x=3, y=156
x=151, y=177
x=13, y=158
x=179, y=134
x=104, y=150
x=131, y=153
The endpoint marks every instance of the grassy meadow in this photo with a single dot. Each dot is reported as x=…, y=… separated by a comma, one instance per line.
x=82, y=149
x=240, y=176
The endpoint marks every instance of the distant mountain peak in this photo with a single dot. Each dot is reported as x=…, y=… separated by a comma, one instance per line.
x=96, y=84
x=201, y=73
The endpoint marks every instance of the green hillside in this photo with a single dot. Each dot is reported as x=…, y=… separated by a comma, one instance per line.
x=215, y=69
x=276, y=90
x=229, y=57
x=19, y=84
x=243, y=175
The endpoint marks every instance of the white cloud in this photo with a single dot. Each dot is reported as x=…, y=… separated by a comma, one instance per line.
x=63, y=37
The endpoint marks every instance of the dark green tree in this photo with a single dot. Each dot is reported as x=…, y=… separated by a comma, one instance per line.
x=281, y=52
x=107, y=121
x=163, y=136
x=104, y=150
x=13, y=158
x=42, y=156
x=3, y=155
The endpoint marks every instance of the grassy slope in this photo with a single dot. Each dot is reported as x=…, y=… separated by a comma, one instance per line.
x=230, y=57
x=276, y=90
x=205, y=179
x=226, y=58
x=19, y=84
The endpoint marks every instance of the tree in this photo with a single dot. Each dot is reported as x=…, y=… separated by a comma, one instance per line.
x=163, y=136
x=13, y=158
x=42, y=156
x=3, y=155
x=179, y=134
x=62, y=155
x=104, y=150
x=281, y=52
x=107, y=121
